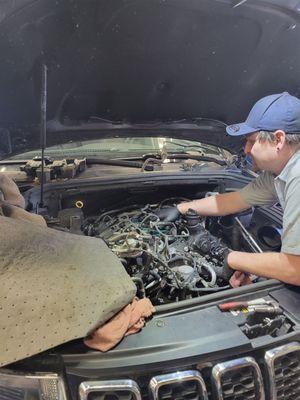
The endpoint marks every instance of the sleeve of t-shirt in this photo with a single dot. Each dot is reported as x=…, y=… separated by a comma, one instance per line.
x=261, y=191
x=291, y=218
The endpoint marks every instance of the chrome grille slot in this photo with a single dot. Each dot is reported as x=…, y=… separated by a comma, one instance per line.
x=7, y=393
x=177, y=386
x=283, y=366
x=119, y=395
x=238, y=379
x=109, y=390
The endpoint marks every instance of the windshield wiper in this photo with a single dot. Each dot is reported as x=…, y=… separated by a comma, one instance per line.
x=162, y=156
x=187, y=156
x=150, y=124
x=118, y=163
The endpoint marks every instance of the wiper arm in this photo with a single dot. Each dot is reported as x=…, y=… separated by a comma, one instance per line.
x=187, y=156
x=105, y=120
x=162, y=156
x=118, y=163
x=199, y=121
x=187, y=146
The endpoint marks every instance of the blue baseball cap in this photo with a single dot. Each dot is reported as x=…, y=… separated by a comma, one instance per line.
x=277, y=111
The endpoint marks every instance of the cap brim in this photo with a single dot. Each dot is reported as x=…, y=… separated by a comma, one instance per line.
x=240, y=129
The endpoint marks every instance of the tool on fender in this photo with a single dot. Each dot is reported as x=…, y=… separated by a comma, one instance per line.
x=237, y=305
x=261, y=318
x=265, y=309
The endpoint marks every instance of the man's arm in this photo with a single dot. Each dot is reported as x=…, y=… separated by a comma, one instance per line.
x=282, y=266
x=218, y=205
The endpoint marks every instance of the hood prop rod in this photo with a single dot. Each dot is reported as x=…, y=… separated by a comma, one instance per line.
x=43, y=126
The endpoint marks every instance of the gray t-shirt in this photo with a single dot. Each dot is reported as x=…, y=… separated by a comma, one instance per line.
x=268, y=189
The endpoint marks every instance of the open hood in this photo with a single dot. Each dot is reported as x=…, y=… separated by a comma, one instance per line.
x=138, y=61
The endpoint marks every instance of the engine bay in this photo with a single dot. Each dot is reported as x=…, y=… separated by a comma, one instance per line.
x=168, y=261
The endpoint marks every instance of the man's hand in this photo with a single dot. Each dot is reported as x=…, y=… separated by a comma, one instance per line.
x=282, y=266
x=240, y=279
x=168, y=214
x=226, y=271
x=235, y=278
x=218, y=205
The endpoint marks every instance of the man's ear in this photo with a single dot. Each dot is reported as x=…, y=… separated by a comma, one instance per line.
x=279, y=139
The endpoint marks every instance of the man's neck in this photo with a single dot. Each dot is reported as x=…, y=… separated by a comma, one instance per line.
x=285, y=156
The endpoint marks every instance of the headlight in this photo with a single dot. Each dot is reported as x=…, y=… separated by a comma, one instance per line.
x=15, y=386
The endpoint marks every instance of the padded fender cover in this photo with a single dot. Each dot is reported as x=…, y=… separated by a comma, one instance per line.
x=54, y=287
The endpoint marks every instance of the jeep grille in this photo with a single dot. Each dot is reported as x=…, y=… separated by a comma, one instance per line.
x=238, y=379
x=283, y=364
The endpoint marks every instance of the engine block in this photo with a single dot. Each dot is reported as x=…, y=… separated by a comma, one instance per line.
x=171, y=261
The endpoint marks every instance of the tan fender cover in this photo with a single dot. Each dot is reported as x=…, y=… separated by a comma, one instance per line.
x=54, y=287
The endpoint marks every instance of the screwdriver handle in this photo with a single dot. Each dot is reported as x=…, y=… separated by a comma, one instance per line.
x=234, y=305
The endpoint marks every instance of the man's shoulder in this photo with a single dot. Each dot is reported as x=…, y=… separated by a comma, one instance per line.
x=267, y=178
x=294, y=171
x=261, y=191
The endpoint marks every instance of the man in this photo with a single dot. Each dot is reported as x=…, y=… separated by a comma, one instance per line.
x=272, y=135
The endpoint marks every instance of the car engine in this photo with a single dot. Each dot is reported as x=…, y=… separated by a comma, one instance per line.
x=169, y=261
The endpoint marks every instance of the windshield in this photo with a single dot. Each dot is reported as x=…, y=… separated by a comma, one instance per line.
x=119, y=147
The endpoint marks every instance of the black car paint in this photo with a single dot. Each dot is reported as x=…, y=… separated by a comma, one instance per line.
x=131, y=61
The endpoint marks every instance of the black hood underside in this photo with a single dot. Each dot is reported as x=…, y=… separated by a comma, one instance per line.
x=138, y=61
